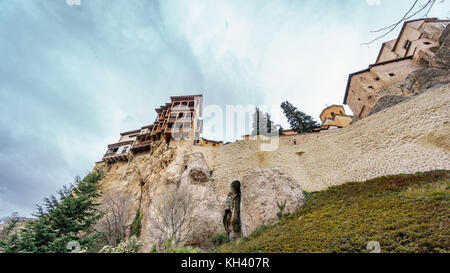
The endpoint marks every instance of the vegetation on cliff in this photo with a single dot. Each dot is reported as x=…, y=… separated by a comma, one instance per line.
x=403, y=213
x=69, y=217
x=298, y=120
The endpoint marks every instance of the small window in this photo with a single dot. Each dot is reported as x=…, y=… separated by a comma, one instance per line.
x=392, y=74
x=377, y=78
x=125, y=149
x=427, y=43
x=407, y=44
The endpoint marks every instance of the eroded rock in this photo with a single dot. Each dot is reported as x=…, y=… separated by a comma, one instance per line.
x=261, y=192
x=207, y=216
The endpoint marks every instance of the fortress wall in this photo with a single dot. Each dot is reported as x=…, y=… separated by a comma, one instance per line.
x=409, y=137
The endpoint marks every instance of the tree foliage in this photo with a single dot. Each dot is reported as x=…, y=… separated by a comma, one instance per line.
x=263, y=124
x=71, y=217
x=298, y=120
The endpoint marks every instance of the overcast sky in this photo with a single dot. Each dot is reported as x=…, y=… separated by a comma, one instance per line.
x=72, y=77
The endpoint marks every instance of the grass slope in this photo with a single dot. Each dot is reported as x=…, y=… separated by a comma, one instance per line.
x=404, y=213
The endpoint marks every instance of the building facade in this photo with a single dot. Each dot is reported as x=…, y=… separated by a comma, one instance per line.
x=178, y=119
x=335, y=115
x=413, y=49
x=122, y=149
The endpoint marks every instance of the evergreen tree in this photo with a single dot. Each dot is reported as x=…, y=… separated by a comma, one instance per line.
x=298, y=120
x=69, y=218
x=263, y=125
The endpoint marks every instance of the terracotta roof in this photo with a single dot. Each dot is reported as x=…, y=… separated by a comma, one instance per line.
x=185, y=97
x=130, y=132
x=118, y=144
x=214, y=141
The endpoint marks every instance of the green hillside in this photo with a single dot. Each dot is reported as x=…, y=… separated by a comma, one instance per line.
x=404, y=213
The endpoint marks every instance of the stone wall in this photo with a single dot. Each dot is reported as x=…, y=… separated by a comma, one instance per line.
x=411, y=136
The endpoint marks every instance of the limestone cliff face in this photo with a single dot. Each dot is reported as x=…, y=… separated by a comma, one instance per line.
x=143, y=182
x=408, y=137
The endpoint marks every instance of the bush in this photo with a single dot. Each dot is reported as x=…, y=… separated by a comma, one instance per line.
x=308, y=195
x=168, y=247
x=135, y=228
x=70, y=216
x=131, y=245
x=219, y=238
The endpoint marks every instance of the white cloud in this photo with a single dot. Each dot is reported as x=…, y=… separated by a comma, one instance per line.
x=373, y=2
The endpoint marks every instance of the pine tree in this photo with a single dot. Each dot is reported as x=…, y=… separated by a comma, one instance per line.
x=69, y=218
x=298, y=120
x=263, y=125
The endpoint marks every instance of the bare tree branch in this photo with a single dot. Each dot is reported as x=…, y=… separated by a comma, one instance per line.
x=113, y=223
x=172, y=215
x=429, y=4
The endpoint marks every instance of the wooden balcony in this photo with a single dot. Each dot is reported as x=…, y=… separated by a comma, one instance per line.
x=111, y=157
x=142, y=146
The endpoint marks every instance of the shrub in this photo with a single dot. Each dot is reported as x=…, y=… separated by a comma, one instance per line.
x=70, y=216
x=219, y=238
x=131, y=245
x=135, y=228
x=308, y=195
x=168, y=247
x=281, y=207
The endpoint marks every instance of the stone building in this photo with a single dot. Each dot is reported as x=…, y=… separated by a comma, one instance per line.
x=179, y=119
x=335, y=116
x=210, y=143
x=414, y=49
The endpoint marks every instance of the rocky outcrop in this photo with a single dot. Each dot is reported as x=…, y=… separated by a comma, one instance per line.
x=262, y=191
x=386, y=102
x=442, y=56
x=207, y=216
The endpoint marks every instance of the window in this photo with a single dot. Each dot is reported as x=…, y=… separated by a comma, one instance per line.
x=407, y=44
x=392, y=74
x=125, y=149
x=377, y=78
x=427, y=43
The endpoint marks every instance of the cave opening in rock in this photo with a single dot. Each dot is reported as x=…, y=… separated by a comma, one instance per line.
x=232, y=216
